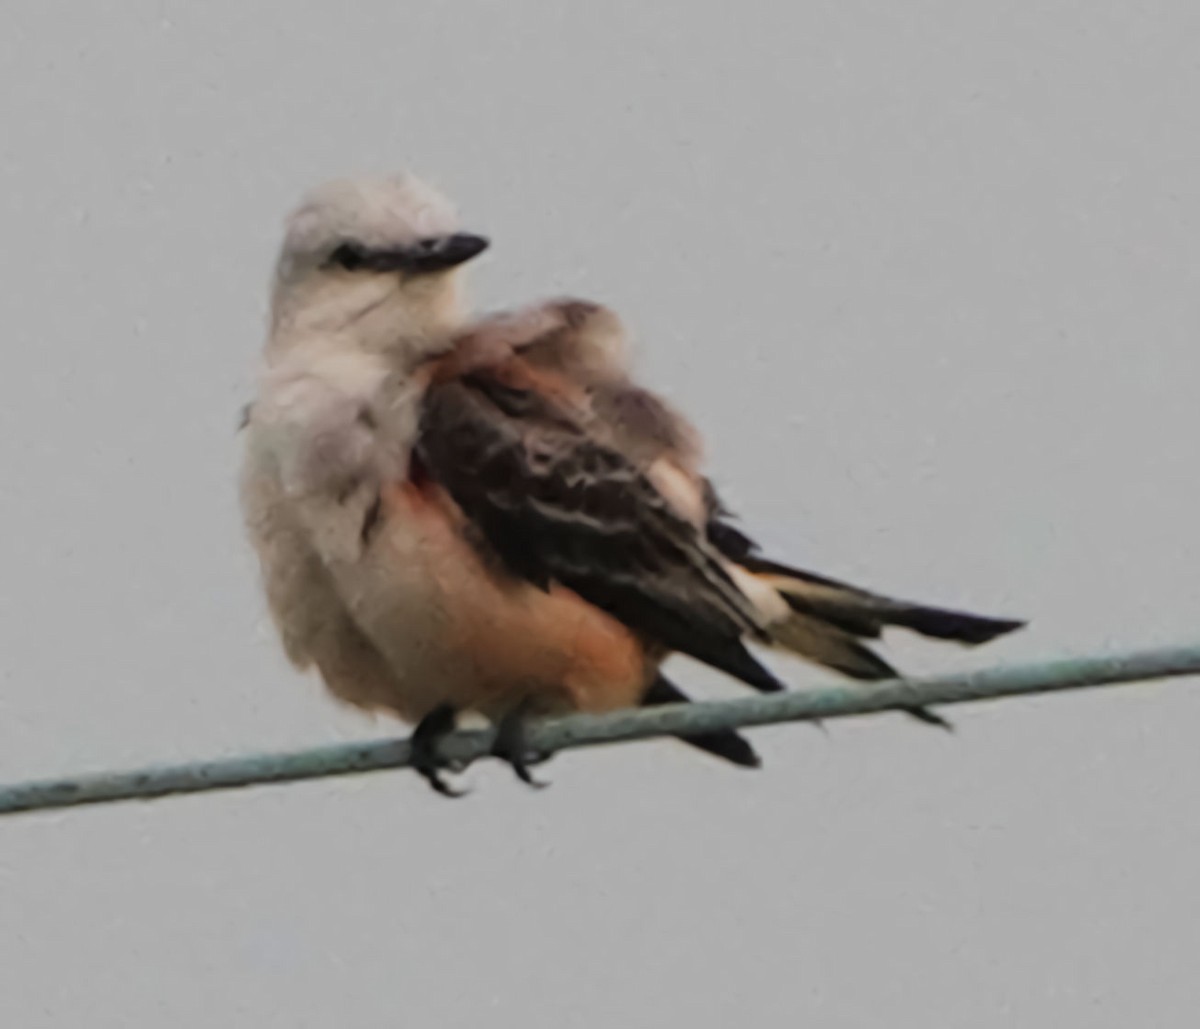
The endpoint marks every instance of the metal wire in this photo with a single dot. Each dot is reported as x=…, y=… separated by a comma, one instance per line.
x=833, y=701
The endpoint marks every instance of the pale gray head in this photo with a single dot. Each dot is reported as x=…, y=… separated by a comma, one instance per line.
x=374, y=255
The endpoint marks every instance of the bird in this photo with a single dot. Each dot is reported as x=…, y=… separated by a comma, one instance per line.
x=488, y=514
x=367, y=290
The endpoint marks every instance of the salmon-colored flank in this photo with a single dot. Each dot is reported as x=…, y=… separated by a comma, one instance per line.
x=550, y=646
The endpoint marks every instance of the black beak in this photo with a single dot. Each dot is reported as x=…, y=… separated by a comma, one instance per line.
x=440, y=253
x=428, y=255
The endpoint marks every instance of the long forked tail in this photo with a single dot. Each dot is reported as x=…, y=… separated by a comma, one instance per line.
x=828, y=620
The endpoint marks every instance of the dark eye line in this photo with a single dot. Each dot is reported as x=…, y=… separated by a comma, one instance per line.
x=349, y=256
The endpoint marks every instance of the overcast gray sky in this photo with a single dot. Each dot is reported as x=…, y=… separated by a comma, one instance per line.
x=928, y=275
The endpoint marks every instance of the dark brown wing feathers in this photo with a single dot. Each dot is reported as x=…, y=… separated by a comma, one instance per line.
x=555, y=504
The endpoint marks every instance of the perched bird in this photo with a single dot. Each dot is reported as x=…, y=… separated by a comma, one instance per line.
x=493, y=516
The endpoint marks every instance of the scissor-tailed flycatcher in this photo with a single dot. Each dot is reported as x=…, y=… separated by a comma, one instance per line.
x=495, y=517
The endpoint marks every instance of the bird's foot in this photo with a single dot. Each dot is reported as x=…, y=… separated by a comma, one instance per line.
x=429, y=731
x=512, y=746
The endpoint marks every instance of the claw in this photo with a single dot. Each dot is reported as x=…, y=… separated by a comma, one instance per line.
x=511, y=745
x=435, y=726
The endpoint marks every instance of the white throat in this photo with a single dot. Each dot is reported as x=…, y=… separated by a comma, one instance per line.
x=381, y=314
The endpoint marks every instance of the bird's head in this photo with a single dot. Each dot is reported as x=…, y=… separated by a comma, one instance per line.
x=375, y=257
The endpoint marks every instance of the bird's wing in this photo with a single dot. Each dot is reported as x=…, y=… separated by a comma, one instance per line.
x=555, y=502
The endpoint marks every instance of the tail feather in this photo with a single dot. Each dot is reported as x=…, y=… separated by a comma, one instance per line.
x=862, y=613
x=943, y=624
x=726, y=744
x=832, y=646
x=828, y=618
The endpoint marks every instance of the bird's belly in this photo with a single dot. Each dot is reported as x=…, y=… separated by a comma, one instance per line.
x=455, y=631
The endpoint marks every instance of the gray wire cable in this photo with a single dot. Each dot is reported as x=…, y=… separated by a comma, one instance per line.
x=832, y=701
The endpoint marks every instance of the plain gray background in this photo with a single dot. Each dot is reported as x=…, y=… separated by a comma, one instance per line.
x=926, y=272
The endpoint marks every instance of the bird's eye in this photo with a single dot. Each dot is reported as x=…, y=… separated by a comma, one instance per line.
x=349, y=257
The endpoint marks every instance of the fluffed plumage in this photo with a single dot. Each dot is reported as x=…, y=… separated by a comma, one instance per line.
x=493, y=515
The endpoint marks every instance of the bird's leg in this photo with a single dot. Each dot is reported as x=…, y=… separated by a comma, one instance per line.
x=511, y=745
x=424, y=740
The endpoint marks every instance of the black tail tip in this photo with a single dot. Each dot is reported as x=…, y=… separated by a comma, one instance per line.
x=728, y=746
x=958, y=625
x=926, y=716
